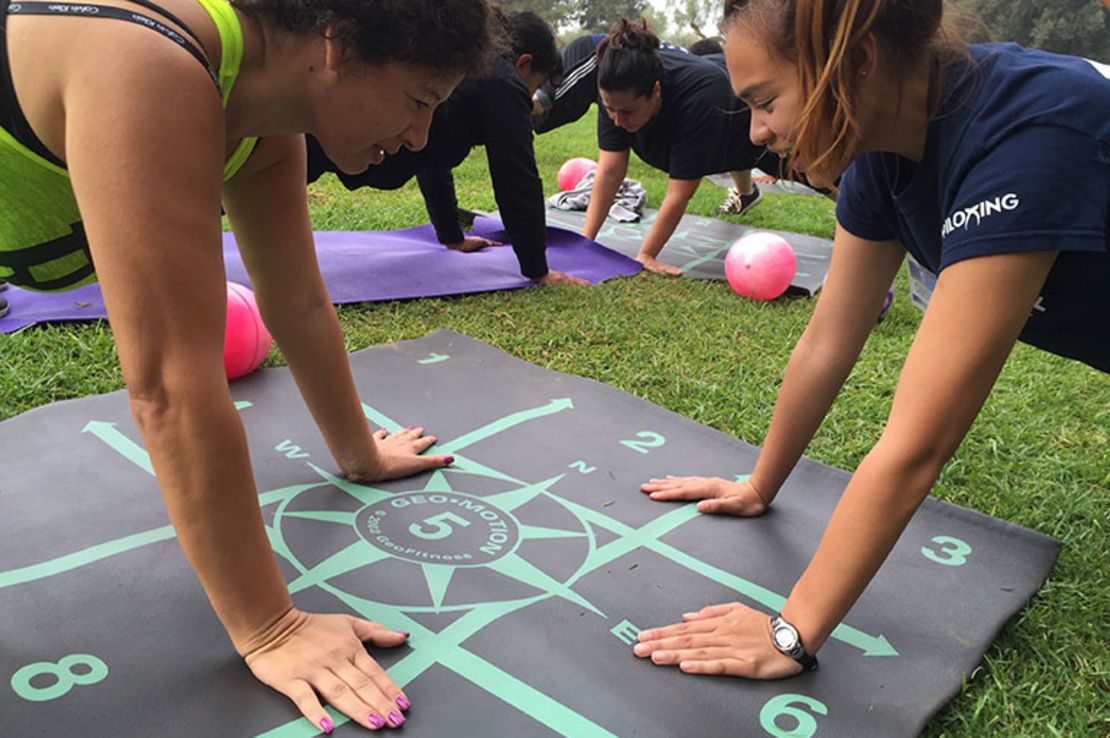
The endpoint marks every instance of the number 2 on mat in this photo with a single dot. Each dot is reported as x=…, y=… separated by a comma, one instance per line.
x=651, y=440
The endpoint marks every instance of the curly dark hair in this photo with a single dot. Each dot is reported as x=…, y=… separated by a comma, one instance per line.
x=442, y=35
x=628, y=58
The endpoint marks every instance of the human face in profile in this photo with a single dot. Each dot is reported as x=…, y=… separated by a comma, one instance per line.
x=368, y=112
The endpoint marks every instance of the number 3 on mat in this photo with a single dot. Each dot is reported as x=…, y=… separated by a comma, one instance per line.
x=805, y=726
x=953, y=551
x=65, y=678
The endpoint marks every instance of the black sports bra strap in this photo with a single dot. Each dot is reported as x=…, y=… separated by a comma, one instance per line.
x=106, y=11
x=169, y=16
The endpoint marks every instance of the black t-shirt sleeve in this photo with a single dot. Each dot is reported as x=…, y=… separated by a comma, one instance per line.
x=437, y=184
x=507, y=124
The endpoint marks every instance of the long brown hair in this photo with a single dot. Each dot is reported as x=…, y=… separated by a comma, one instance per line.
x=824, y=40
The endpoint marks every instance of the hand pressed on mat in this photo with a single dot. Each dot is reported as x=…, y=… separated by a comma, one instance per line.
x=556, y=278
x=731, y=639
x=399, y=455
x=470, y=244
x=655, y=266
x=306, y=656
x=717, y=495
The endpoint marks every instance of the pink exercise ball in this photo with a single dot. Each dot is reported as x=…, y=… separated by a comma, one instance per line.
x=246, y=340
x=573, y=170
x=760, y=265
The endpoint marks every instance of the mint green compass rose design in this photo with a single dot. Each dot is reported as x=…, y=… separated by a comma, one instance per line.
x=444, y=531
x=439, y=530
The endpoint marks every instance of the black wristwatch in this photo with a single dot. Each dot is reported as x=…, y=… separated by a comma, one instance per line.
x=784, y=637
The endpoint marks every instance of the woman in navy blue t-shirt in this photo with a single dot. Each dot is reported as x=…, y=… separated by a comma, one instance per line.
x=990, y=164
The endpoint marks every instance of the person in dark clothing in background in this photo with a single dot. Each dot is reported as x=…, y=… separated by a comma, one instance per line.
x=495, y=111
x=706, y=46
x=558, y=102
x=679, y=114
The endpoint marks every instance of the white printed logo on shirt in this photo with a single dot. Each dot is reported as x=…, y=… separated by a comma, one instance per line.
x=973, y=216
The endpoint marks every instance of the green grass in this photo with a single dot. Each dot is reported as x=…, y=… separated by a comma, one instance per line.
x=1038, y=455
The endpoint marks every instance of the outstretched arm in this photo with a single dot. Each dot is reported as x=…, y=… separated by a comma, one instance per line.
x=679, y=192
x=846, y=311
x=954, y=361
x=267, y=207
x=611, y=168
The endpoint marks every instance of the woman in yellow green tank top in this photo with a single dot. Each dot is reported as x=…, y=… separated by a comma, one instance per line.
x=123, y=128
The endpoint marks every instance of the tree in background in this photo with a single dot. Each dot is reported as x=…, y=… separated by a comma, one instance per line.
x=694, y=19
x=597, y=16
x=1078, y=27
x=571, y=18
x=552, y=11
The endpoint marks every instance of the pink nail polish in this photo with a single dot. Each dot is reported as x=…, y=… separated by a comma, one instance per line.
x=396, y=719
x=327, y=725
x=448, y=460
x=403, y=702
x=376, y=720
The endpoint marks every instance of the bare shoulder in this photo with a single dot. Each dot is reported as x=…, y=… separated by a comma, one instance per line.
x=64, y=64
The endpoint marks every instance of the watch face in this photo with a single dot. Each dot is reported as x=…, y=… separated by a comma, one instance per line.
x=785, y=639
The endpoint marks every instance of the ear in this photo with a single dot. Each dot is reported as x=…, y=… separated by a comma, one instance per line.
x=868, y=56
x=523, y=64
x=335, y=50
x=657, y=89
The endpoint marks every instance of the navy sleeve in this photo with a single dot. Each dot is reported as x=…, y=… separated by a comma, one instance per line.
x=864, y=205
x=1042, y=188
x=438, y=187
x=572, y=98
x=517, y=187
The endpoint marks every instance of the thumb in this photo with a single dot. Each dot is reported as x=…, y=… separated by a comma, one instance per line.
x=722, y=506
x=378, y=634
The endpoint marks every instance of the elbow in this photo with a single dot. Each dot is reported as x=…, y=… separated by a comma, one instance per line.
x=282, y=311
x=826, y=349
x=153, y=409
x=912, y=466
x=165, y=402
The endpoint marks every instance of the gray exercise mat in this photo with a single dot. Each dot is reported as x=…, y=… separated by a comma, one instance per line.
x=523, y=572
x=699, y=245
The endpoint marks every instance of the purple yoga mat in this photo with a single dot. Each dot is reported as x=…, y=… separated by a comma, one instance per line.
x=372, y=266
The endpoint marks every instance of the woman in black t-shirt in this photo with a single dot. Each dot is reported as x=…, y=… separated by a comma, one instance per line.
x=678, y=113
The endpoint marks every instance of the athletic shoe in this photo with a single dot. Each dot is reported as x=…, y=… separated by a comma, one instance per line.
x=3, y=285
x=737, y=204
x=3, y=307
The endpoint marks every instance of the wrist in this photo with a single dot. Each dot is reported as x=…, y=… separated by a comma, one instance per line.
x=788, y=641
x=273, y=630
x=804, y=621
x=765, y=496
